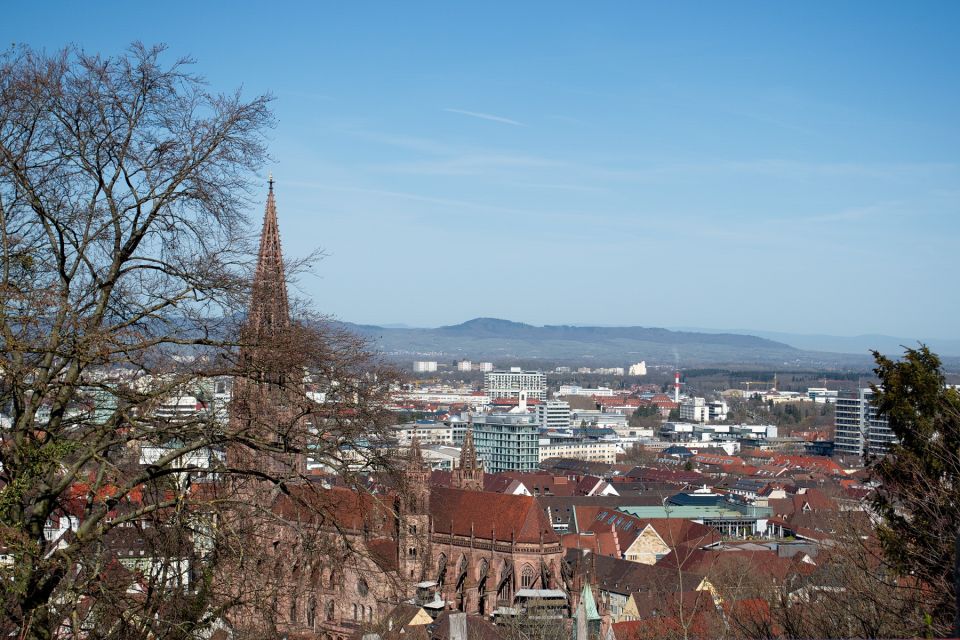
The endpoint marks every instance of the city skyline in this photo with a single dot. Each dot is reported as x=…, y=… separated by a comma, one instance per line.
x=713, y=166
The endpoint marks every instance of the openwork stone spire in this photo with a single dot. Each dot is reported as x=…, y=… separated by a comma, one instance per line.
x=415, y=462
x=469, y=475
x=269, y=308
x=468, y=454
x=262, y=399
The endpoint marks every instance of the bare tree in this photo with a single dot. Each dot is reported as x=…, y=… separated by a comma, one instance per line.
x=848, y=592
x=125, y=271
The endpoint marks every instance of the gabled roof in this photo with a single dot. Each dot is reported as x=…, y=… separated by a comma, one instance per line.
x=672, y=531
x=624, y=577
x=811, y=500
x=489, y=515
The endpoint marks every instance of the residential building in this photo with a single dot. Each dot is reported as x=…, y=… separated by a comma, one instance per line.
x=424, y=366
x=717, y=410
x=553, y=414
x=580, y=449
x=427, y=432
x=694, y=410
x=597, y=418
x=858, y=428
x=507, y=441
x=639, y=369
x=484, y=367
x=509, y=384
x=464, y=365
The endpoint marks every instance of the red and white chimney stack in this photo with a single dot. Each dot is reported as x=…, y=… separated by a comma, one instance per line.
x=676, y=388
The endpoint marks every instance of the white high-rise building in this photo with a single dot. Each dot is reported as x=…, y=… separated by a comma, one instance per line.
x=509, y=384
x=485, y=367
x=553, y=414
x=858, y=428
x=639, y=369
x=694, y=410
x=424, y=366
x=464, y=365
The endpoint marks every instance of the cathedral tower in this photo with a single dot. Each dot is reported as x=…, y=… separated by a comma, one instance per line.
x=261, y=408
x=413, y=518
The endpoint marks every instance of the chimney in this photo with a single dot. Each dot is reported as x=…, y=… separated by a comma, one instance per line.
x=458, y=626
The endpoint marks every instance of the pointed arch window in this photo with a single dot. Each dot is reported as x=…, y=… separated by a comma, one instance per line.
x=527, y=577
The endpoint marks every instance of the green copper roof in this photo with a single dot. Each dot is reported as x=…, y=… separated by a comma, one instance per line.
x=683, y=513
x=589, y=604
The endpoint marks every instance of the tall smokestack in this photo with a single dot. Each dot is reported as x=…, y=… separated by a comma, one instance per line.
x=676, y=388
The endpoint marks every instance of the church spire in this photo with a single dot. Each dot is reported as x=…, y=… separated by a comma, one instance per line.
x=262, y=403
x=415, y=462
x=269, y=308
x=469, y=475
x=468, y=454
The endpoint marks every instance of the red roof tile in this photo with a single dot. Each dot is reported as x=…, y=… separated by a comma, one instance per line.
x=489, y=515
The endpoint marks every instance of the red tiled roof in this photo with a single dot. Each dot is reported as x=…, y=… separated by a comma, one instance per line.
x=704, y=561
x=488, y=515
x=673, y=531
x=339, y=506
x=384, y=553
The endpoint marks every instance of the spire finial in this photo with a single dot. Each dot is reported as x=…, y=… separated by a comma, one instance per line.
x=270, y=181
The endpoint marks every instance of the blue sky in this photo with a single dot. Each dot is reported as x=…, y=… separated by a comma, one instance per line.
x=752, y=165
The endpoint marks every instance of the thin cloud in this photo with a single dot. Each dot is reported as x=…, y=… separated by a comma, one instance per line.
x=486, y=116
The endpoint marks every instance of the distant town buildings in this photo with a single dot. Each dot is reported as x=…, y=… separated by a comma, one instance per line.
x=424, y=366
x=822, y=395
x=576, y=390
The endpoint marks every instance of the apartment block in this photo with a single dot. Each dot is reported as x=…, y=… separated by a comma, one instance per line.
x=509, y=384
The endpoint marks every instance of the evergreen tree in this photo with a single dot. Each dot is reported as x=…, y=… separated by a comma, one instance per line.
x=919, y=494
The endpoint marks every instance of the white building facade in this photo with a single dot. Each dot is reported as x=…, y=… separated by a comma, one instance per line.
x=509, y=384
x=553, y=414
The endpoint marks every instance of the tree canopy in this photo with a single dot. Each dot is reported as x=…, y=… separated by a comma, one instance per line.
x=918, y=497
x=125, y=275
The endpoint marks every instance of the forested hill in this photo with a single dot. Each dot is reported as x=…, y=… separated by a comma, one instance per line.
x=494, y=339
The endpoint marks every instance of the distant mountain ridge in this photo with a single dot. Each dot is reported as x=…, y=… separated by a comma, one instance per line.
x=497, y=340
x=860, y=344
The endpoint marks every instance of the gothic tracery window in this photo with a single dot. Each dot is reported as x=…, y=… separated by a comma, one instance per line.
x=527, y=577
